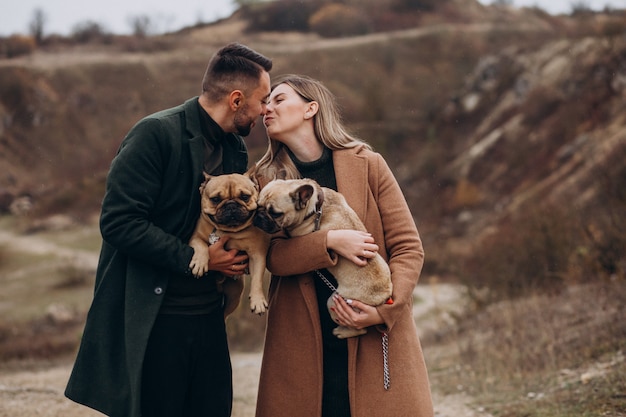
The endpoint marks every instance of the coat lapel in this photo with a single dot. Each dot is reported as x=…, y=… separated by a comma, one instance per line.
x=351, y=173
x=196, y=141
x=196, y=150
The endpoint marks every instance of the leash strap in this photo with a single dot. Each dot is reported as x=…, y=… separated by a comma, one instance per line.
x=386, y=378
x=326, y=281
x=385, y=337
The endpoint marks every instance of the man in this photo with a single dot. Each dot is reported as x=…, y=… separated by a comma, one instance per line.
x=154, y=343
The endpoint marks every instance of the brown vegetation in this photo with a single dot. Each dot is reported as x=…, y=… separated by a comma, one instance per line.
x=505, y=128
x=543, y=355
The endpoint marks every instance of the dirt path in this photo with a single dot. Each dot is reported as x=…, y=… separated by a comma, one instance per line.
x=39, y=246
x=29, y=390
x=270, y=42
x=39, y=393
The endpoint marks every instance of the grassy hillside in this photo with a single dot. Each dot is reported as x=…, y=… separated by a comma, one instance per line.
x=505, y=128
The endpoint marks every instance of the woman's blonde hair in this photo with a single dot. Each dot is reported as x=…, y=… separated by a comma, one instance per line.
x=327, y=124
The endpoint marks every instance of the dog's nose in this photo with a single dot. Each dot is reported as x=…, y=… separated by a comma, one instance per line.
x=264, y=221
x=230, y=204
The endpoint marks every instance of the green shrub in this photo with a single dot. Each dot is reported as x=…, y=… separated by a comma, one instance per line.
x=614, y=28
x=605, y=225
x=91, y=32
x=420, y=5
x=17, y=45
x=73, y=277
x=280, y=15
x=338, y=20
x=530, y=253
x=17, y=96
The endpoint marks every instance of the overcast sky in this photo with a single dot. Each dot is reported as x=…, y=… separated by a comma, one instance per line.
x=170, y=15
x=113, y=15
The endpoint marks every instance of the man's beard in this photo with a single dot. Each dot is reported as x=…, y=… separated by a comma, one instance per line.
x=242, y=123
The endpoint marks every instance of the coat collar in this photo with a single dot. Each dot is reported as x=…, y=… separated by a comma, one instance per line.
x=192, y=117
x=235, y=152
x=196, y=141
x=351, y=171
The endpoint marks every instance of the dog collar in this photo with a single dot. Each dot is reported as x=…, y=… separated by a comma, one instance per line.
x=317, y=213
x=213, y=237
x=318, y=208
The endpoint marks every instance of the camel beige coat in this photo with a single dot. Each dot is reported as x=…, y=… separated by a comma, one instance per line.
x=291, y=372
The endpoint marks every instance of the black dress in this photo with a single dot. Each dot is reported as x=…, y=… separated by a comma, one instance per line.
x=335, y=397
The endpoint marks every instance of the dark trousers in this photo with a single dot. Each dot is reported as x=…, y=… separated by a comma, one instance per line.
x=187, y=370
x=335, y=396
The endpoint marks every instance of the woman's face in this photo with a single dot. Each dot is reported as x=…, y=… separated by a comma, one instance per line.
x=287, y=113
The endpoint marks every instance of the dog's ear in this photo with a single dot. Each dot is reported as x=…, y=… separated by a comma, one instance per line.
x=251, y=173
x=302, y=195
x=281, y=174
x=207, y=178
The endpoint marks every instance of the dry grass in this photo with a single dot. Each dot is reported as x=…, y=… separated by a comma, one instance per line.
x=537, y=356
x=543, y=355
x=48, y=286
x=45, y=294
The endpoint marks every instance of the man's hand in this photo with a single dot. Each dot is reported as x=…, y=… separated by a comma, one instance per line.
x=228, y=262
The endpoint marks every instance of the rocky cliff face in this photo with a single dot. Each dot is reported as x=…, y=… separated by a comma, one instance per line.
x=480, y=121
x=529, y=127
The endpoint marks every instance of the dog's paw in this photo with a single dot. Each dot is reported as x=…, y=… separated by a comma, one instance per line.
x=345, y=332
x=199, y=265
x=258, y=305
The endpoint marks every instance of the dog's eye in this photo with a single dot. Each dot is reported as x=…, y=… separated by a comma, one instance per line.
x=245, y=197
x=215, y=200
x=274, y=214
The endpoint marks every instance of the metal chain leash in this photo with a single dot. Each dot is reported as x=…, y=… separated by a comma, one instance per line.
x=386, y=378
x=326, y=281
x=385, y=337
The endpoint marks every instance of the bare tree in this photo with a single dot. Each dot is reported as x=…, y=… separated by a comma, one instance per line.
x=37, y=25
x=90, y=31
x=580, y=6
x=241, y=3
x=141, y=25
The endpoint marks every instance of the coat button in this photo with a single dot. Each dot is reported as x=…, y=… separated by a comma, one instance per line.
x=158, y=290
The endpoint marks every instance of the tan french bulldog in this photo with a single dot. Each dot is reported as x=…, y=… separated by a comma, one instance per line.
x=229, y=203
x=301, y=206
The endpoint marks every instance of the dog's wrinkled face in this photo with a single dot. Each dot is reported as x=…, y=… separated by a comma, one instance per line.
x=285, y=204
x=229, y=201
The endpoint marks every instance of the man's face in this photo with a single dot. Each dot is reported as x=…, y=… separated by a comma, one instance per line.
x=253, y=107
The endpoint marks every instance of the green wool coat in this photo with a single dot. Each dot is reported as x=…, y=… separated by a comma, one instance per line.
x=149, y=211
x=291, y=371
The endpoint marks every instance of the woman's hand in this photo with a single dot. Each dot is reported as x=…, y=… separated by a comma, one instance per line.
x=355, y=314
x=353, y=245
x=228, y=262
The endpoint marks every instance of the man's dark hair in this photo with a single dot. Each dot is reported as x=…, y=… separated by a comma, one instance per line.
x=233, y=67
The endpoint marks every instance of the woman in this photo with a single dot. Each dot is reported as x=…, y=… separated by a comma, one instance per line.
x=306, y=370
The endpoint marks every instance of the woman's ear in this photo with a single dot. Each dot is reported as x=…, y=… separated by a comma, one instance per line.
x=311, y=109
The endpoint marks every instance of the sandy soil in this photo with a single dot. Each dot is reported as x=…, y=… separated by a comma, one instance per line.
x=36, y=389
x=39, y=392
